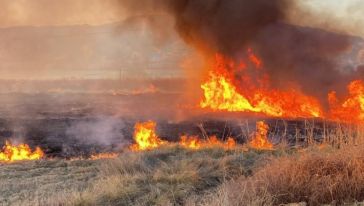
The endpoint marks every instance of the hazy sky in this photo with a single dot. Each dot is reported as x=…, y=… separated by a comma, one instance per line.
x=346, y=13
x=337, y=15
x=73, y=49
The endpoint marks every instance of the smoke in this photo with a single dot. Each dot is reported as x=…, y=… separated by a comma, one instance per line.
x=337, y=16
x=215, y=25
x=313, y=59
x=316, y=60
x=103, y=131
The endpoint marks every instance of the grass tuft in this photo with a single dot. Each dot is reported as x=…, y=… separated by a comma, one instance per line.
x=314, y=176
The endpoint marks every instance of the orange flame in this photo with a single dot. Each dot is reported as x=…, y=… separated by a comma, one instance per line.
x=352, y=108
x=103, y=156
x=20, y=152
x=146, y=137
x=220, y=93
x=260, y=140
x=194, y=142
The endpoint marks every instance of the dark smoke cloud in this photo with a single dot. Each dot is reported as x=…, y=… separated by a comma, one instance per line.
x=226, y=25
x=311, y=58
x=215, y=25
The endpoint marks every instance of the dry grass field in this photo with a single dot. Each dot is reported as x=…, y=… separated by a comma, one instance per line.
x=175, y=176
x=318, y=176
x=42, y=182
x=167, y=176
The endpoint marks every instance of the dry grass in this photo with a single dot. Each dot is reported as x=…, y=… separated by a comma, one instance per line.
x=167, y=176
x=314, y=176
x=42, y=182
x=176, y=176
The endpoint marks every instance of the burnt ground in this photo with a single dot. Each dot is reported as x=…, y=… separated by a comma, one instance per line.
x=53, y=137
x=77, y=125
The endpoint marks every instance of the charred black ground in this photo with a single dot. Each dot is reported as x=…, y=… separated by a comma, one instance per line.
x=51, y=134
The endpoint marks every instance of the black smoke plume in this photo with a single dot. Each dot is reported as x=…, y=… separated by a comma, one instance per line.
x=215, y=25
x=311, y=58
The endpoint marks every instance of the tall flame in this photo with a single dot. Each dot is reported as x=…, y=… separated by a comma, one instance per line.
x=220, y=93
x=145, y=137
x=351, y=109
x=19, y=152
x=260, y=140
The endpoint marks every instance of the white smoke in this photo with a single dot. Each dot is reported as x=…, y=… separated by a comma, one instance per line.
x=102, y=130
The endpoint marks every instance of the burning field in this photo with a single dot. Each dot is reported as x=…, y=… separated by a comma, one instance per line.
x=269, y=158
x=237, y=102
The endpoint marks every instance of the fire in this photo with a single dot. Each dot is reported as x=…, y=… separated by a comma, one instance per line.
x=221, y=93
x=194, y=142
x=103, y=156
x=244, y=87
x=351, y=109
x=146, y=137
x=19, y=152
x=260, y=140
